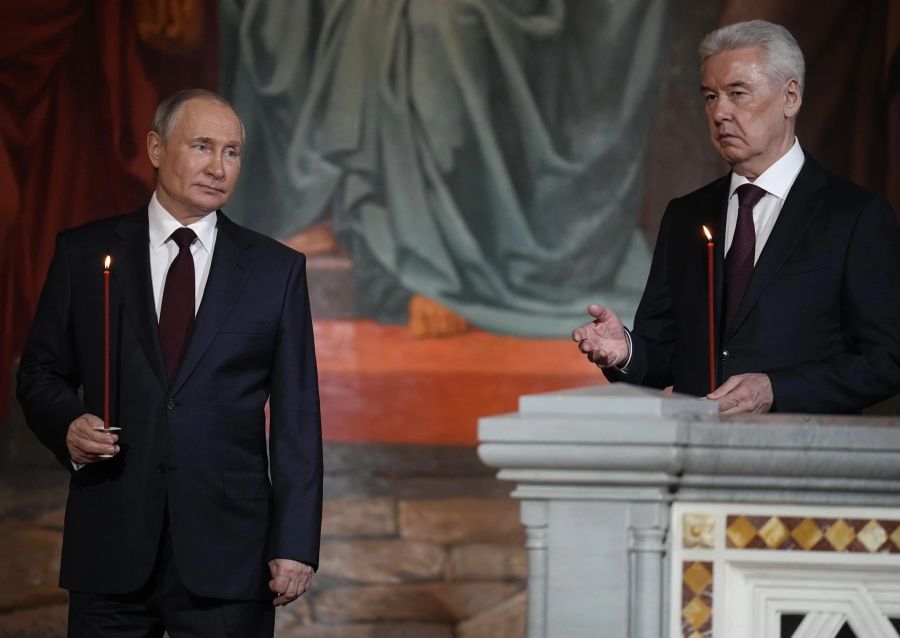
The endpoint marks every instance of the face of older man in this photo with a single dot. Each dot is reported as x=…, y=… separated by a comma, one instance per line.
x=200, y=161
x=749, y=114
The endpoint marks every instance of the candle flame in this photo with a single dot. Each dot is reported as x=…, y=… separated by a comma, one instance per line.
x=107, y=262
x=707, y=233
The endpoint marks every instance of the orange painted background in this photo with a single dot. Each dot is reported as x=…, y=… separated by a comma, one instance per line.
x=379, y=383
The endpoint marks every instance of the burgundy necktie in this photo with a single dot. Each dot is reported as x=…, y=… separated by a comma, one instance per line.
x=176, y=317
x=740, y=258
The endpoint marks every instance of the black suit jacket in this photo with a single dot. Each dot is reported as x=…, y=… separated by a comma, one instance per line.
x=196, y=448
x=821, y=314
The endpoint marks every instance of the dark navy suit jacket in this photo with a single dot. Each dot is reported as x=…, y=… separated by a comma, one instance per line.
x=196, y=447
x=821, y=314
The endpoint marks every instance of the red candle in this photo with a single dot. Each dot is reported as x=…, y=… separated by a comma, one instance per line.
x=711, y=311
x=106, y=342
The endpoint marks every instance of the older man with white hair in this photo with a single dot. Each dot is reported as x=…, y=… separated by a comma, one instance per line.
x=806, y=265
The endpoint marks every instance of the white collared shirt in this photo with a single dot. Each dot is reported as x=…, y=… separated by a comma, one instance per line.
x=776, y=181
x=163, y=250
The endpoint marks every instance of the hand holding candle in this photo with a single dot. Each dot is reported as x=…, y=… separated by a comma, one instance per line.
x=106, y=427
x=711, y=311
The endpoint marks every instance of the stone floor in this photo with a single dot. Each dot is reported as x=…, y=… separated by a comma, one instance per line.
x=418, y=542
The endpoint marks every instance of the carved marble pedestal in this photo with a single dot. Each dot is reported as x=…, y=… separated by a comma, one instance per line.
x=598, y=469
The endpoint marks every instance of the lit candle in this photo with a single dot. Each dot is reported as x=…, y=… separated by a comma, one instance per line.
x=711, y=311
x=106, y=342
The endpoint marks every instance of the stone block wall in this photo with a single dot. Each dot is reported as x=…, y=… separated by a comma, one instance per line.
x=418, y=542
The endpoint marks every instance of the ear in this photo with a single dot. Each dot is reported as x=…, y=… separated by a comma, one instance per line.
x=792, y=98
x=154, y=148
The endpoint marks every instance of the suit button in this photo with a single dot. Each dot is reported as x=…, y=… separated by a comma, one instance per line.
x=160, y=468
x=725, y=354
x=170, y=404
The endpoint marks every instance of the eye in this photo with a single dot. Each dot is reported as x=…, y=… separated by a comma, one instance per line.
x=709, y=97
x=200, y=146
x=232, y=152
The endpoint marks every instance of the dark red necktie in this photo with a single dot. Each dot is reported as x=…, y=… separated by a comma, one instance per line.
x=176, y=317
x=740, y=258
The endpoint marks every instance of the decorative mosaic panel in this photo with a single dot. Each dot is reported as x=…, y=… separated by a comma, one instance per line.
x=813, y=534
x=696, y=599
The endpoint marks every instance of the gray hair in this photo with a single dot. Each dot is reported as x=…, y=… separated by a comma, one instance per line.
x=168, y=110
x=784, y=59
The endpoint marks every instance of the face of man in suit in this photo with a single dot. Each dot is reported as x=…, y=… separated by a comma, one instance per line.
x=749, y=113
x=199, y=162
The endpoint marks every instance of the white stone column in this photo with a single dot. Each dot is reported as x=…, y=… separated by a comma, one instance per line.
x=646, y=605
x=602, y=465
x=535, y=518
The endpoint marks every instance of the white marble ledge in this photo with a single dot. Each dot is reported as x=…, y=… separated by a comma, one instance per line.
x=616, y=399
x=617, y=430
x=623, y=414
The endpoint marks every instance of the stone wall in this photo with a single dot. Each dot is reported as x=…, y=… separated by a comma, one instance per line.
x=418, y=542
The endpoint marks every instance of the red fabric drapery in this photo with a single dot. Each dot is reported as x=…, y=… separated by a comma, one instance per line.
x=78, y=85
x=850, y=118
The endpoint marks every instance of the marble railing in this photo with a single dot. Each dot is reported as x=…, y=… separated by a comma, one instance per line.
x=648, y=515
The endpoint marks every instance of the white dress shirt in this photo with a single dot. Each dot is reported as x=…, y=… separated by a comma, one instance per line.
x=776, y=181
x=163, y=250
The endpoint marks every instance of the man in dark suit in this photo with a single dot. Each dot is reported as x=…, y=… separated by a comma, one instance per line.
x=807, y=266
x=183, y=521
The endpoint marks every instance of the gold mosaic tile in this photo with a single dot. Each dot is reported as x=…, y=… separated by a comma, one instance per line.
x=696, y=612
x=697, y=577
x=774, y=532
x=807, y=533
x=839, y=534
x=741, y=532
x=793, y=533
x=696, y=599
x=895, y=538
x=698, y=531
x=873, y=536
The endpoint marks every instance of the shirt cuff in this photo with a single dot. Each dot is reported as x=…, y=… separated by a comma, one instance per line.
x=624, y=368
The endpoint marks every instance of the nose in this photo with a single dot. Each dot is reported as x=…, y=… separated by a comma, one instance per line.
x=216, y=167
x=721, y=111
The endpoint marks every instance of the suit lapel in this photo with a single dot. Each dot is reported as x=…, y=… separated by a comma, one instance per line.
x=227, y=276
x=130, y=272
x=801, y=206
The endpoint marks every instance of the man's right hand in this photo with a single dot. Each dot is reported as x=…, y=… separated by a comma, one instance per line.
x=603, y=340
x=86, y=443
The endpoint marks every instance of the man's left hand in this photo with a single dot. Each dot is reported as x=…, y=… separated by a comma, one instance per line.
x=744, y=393
x=290, y=580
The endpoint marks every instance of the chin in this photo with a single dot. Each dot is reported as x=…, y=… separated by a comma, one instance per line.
x=208, y=205
x=731, y=155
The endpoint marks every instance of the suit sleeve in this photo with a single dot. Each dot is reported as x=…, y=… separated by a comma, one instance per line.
x=653, y=336
x=868, y=370
x=48, y=378
x=295, y=433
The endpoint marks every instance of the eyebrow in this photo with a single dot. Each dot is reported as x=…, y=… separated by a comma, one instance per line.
x=211, y=141
x=733, y=85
